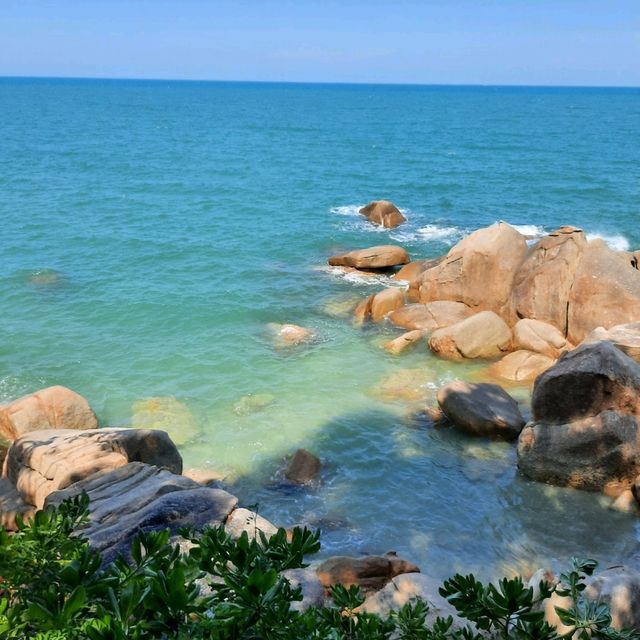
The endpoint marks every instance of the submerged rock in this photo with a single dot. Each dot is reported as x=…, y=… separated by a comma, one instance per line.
x=289, y=335
x=253, y=403
x=379, y=257
x=406, y=385
x=385, y=302
x=303, y=468
x=403, y=342
x=481, y=409
x=383, y=213
x=51, y=408
x=167, y=414
x=45, y=277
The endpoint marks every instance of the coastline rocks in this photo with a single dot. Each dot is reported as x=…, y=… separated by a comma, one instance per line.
x=618, y=587
x=370, y=573
x=309, y=583
x=541, y=337
x=378, y=257
x=542, y=284
x=45, y=461
x=303, y=468
x=289, y=335
x=483, y=335
x=385, y=302
x=590, y=379
x=139, y=497
x=51, y=408
x=241, y=520
x=605, y=292
x=520, y=366
x=625, y=337
x=430, y=316
x=383, y=213
x=481, y=409
x=479, y=270
x=403, y=342
x=413, y=270
x=167, y=414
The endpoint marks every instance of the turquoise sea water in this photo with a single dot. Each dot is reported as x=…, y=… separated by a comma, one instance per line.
x=150, y=231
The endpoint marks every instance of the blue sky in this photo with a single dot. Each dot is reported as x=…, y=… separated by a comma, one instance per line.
x=555, y=42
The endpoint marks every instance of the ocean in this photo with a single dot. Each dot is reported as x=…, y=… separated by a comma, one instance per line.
x=152, y=229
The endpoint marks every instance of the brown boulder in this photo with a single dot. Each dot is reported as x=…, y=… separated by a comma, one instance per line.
x=379, y=257
x=412, y=270
x=590, y=379
x=383, y=213
x=430, y=316
x=479, y=270
x=483, y=335
x=363, y=311
x=51, y=408
x=542, y=284
x=403, y=342
x=385, y=302
x=303, y=468
x=541, y=337
x=520, y=366
x=481, y=409
x=605, y=292
x=289, y=335
x=45, y=461
x=370, y=573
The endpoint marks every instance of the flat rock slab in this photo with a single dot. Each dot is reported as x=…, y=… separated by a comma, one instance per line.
x=139, y=497
x=481, y=409
x=45, y=461
x=379, y=257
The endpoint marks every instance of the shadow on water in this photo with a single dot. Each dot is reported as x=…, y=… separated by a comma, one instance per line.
x=440, y=498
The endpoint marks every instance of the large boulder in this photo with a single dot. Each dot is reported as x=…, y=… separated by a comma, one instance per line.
x=430, y=316
x=590, y=379
x=44, y=461
x=413, y=270
x=481, y=409
x=540, y=337
x=542, y=284
x=385, y=302
x=383, y=213
x=625, y=337
x=605, y=292
x=51, y=408
x=479, y=270
x=379, y=257
x=520, y=366
x=619, y=588
x=597, y=453
x=138, y=497
x=371, y=573
x=483, y=335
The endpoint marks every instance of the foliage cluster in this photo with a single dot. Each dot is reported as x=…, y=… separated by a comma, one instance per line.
x=53, y=586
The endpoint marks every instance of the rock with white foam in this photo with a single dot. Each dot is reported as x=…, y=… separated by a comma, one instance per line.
x=383, y=213
x=290, y=335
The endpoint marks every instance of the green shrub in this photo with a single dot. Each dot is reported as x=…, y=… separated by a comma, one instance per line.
x=53, y=587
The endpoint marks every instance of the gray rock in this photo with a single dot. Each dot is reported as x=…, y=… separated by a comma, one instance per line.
x=618, y=587
x=312, y=589
x=241, y=520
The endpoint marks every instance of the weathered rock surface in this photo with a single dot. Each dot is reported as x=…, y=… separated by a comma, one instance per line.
x=625, y=337
x=289, y=335
x=385, y=302
x=605, y=292
x=590, y=379
x=383, y=213
x=45, y=461
x=371, y=573
x=479, y=270
x=483, y=335
x=379, y=257
x=363, y=311
x=51, y=408
x=413, y=270
x=597, y=453
x=303, y=468
x=481, y=409
x=430, y=316
x=138, y=497
x=12, y=505
x=403, y=342
x=618, y=587
x=541, y=337
x=241, y=520
x=520, y=366
x=542, y=284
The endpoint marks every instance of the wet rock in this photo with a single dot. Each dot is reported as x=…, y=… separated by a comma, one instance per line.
x=253, y=403
x=44, y=461
x=479, y=270
x=430, y=316
x=520, y=366
x=483, y=335
x=405, y=385
x=51, y=408
x=340, y=307
x=385, y=302
x=303, y=468
x=540, y=337
x=167, y=414
x=139, y=497
x=379, y=257
x=383, y=213
x=481, y=409
x=371, y=573
x=625, y=337
x=605, y=292
x=289, y=335
x=403, y=342
x=584, y=382
x=241, y=520
x=542, y=284
x=619, y=588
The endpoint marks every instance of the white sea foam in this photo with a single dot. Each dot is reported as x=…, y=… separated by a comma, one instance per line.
x=361, y=279
x=616, y=242
x=347, y=210
x=531, y=230
x=442, y=234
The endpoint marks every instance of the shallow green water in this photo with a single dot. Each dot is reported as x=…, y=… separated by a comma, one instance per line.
x=151, y=230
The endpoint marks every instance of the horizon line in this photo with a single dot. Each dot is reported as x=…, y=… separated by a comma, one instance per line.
x=320, y=82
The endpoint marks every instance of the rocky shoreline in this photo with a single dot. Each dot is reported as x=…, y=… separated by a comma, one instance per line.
x=559, y=313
